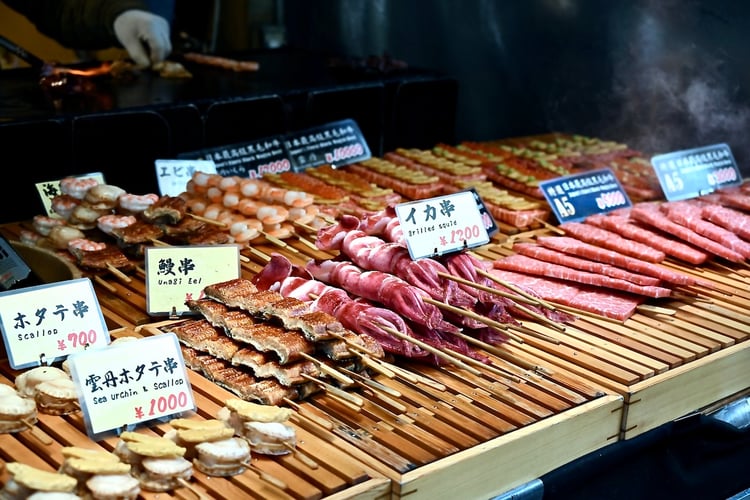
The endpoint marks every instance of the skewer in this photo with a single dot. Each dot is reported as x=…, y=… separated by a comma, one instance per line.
x=258, y=253
x=372, y=383
x=489, y=348
x=482, y=319
x=207, y=220
x=528, y=331
x=340, y=393
x=103, y=283
x=540, y=317
x=159, y=243
x=519, y=291
x=331, y=372
x=266, y=476
x=375, y=365
x=278, y=242
x=427, y=347
x=414, y=378
x=184, y=482
x=549, y=226
x=648, y=308
x=44, y=439
x=304, y=458
x=307, y=242
x=306, y=227
x=118, y=274
x=326, y=424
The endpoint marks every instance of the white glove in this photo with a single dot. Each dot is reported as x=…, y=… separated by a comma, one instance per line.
x=144, y=35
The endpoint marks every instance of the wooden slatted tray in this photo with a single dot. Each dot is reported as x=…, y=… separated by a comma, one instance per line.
x=428, y=428
x=673, y=357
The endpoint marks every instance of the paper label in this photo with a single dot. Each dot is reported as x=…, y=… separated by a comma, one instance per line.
x=131, y=382
x=44, y=323
x=173, y=175
x=179, y=273
x=442, y=225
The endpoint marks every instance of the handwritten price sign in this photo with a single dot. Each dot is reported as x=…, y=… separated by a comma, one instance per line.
x=131, y=382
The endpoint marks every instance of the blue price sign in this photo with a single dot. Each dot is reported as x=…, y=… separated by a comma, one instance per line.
x=575, y=197
x=695, y=172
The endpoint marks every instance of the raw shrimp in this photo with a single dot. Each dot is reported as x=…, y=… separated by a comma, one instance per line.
x=304, y=215
x=298, y=199
x=280, y=231
x=106, y=223
x=245, y=230
x=63, y=205
x=214, y=194
x=203, y=180
x=85, y=245
x=136, y=203
x=230, y=184
x=247, y=206
x=43, y=224
x=77, y=187
x=272, y=214
x=231, y=199
x=250, y=188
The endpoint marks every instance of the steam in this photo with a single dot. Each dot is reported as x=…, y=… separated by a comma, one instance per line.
x=672, y=93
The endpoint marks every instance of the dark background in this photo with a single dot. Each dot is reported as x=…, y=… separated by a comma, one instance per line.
x=657, y=75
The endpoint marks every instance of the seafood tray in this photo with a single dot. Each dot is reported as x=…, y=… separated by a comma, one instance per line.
x=428, y=432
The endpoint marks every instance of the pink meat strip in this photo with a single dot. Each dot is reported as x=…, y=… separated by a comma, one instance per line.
x=629, y=228
x=728, y=218
x=528, y=265
x=651, y=214
x=690, y=215
x=610, y=303
x=542, y=253
x=586, y=250
x=612, y=240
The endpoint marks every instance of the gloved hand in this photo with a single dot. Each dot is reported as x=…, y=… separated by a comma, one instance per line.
x=144, y=35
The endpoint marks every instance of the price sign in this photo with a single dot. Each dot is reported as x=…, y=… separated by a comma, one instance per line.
x=444, y=224
x=173, y=175
x=338, y=143
x=695, y=172
x=178, y=273
x=250, y=159
x=131, y=382
x=49, y=322
x=575, y=197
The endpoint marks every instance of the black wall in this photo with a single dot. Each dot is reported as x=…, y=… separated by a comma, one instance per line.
x=658, y=75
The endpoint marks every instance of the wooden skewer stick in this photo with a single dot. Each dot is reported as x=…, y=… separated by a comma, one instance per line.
x=414, y=378
x=534, y=314
x=303, y=457
x=118, y=274
x=265, y=476
x=43, y=438
x=278, y=242
x=519, y=291
x=307, y=242
x=332, y=389
x=103, y=283
x=258, y=253
x=306, y=227
x=304, y=413
x=374, y=365
x=501, y=353
x=482, y=319
x=372, y=383
x=184, y=482
x=549, y=226
x=331, y=372
x=207, y=220
x=427, y=347
x=159, y=243
x=488, y=289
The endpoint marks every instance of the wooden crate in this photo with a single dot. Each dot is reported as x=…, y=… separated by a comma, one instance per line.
x=502, y=425
x=673, y=357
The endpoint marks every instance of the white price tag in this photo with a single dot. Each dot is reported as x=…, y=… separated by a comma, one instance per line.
x=173, y=175
x=441, y=225
x=131, y=382
x=178, y=273
x=49, y=322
